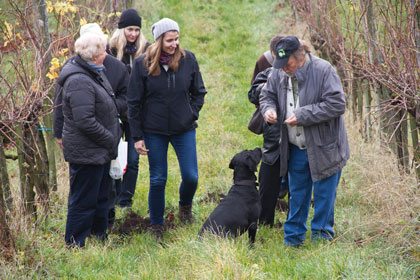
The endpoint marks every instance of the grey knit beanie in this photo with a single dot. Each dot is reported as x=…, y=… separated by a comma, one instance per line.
x=162, y=26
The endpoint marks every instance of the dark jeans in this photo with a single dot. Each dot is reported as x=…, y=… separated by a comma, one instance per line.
x=127, y=187
x=122, y=192
x=185, y=148
x=88, y=202
x=271, y=185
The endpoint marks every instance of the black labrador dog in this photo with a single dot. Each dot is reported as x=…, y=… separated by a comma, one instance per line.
x=240, y=209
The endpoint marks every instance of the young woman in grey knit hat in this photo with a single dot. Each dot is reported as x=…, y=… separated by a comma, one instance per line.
x=165, y=95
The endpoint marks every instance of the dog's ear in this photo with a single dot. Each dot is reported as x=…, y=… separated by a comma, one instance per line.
x=232, y=163
x=253, y=159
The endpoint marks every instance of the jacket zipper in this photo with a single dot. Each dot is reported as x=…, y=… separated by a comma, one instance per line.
x=169, y=89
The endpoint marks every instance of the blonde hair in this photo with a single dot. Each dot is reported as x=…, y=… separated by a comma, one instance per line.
x=118, y=41
x=151, y=60
x=90, y=45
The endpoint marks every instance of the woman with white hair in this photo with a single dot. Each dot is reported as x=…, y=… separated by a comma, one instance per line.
x=90, y=138
x=165, y=95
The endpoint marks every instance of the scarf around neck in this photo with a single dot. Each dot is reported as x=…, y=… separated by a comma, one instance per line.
x=130, y=49
x=96, y=67
x=164, y=58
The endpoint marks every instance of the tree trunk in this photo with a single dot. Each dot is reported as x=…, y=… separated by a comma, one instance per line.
x=360, y=92
x=354, y=98
x=27, y=190
x=415, y=5
x=33, y=169
x=51, y=146
x=402, y=143
x=41, y=170
x=316, y=37
x=5, y=235
x=4, y=178
x=367, y=101
x=388, y=122
x=45, y=62
x=416, y=148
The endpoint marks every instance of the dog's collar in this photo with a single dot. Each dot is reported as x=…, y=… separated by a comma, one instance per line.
x=250, y=183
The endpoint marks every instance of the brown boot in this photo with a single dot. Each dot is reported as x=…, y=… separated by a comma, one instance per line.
x=157, y=231
x=185, y=214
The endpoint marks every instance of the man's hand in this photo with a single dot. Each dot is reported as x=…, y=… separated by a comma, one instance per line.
x=292, y=121
x=140, y=147
x=270, y=116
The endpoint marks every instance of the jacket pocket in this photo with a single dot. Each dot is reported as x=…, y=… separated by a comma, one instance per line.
x=327, y=156
x=325, y=133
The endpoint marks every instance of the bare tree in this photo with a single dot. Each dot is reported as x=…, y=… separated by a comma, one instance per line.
x=372, y=40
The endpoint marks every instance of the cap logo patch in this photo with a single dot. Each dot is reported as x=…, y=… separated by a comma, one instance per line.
x=281, y=53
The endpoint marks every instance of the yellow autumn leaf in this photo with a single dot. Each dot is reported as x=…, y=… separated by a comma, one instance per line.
x=63, y=52
x=55, y=62
x=83, y=22
x=9, y=31
x=114, y=14
x=52, y=76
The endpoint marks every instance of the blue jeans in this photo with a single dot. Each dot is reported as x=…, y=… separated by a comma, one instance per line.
x=184, y=145
x=126, y=188
x=88, y=202
x=300, y=188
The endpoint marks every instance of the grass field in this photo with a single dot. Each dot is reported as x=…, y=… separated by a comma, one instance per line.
x=377, y=210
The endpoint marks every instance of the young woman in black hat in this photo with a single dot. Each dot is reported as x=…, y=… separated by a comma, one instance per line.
x=126, y=44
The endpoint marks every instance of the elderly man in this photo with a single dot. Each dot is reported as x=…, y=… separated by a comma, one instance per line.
x=313, y=139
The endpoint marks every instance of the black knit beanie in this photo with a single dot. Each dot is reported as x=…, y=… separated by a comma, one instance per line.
x=129, y=17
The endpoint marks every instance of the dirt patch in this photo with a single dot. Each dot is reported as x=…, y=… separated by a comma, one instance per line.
x=134, y=223
x=212, y=197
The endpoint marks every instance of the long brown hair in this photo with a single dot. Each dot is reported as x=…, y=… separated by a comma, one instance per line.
x=151, y=60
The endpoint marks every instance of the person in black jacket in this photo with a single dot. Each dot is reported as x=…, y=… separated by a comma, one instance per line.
x=165, y=95
x=126, y=44
x=90, y=136
x=115, y=72
x=117, y=75
x=272, y=185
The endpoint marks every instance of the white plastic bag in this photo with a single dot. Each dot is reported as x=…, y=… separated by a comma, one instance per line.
x=119, y=165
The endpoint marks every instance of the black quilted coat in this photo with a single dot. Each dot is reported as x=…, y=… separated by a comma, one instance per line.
x=91, y=128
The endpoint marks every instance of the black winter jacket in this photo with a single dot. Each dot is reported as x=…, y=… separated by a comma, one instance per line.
x=117, y=75
x=91, y=129
x=271, y=133
x=167, y=104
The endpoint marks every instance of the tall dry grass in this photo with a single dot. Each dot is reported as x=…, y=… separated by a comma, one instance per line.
x=390, y=197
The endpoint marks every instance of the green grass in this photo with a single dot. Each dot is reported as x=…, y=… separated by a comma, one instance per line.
x=227, y=37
